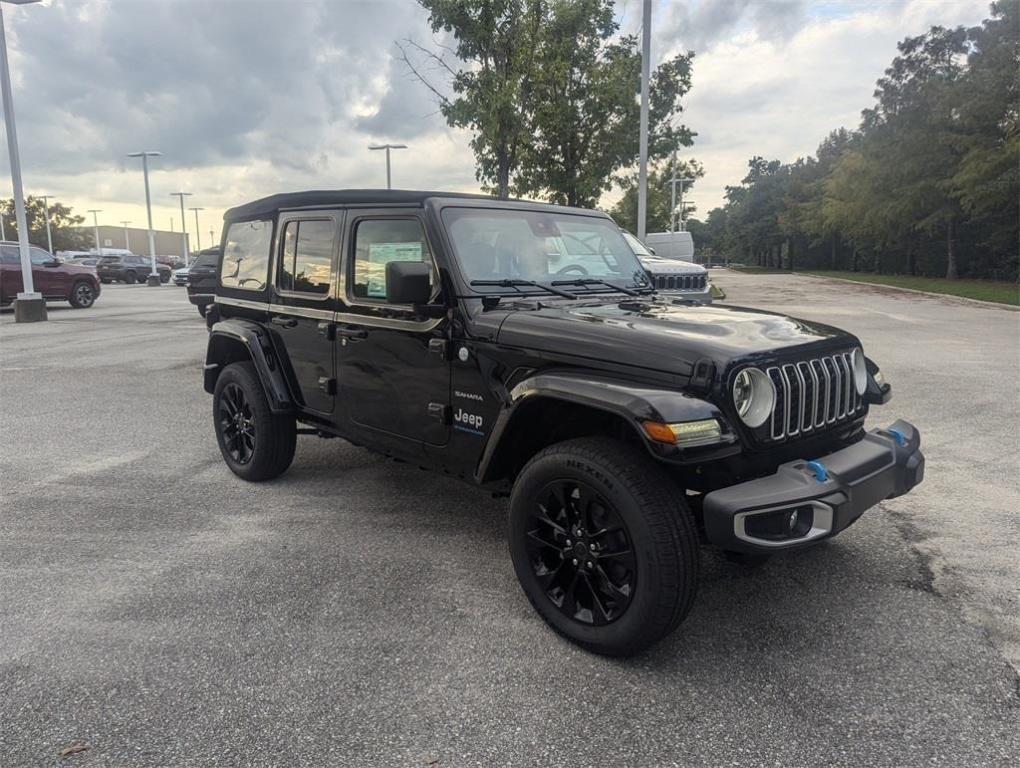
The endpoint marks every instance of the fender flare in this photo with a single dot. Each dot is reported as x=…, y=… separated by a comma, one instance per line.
x=634, y=403
x=228, y=334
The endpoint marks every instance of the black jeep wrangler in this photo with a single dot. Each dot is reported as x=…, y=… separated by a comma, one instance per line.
x=521, y=347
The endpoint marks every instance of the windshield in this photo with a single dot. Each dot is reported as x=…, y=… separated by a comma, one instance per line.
x=541, y=247
x=636, y=245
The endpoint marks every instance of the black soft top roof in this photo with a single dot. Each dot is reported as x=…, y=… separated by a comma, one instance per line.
x=324, y=197
x=268, y=206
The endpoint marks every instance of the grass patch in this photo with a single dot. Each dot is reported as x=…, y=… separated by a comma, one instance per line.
x=717, y=292
x=1000, y=292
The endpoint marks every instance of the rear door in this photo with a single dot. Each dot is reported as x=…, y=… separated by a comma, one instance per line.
x=303, y=304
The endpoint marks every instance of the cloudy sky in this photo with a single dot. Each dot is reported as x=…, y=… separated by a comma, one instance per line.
x=247, y=98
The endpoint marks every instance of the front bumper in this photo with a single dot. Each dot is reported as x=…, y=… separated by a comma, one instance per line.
x=804, y=502
x=703, y=296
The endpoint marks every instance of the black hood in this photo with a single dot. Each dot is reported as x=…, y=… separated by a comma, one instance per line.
x=662, y=335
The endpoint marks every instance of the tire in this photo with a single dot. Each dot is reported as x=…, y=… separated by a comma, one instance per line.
x=143, y=279
x=614, y=484
x=264, y=447
x=164, y=277
x=83, y=295
x=130, y=278
x=201, y=309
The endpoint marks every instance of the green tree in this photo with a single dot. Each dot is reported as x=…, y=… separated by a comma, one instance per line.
x=549, y=93
x=495, y=41
x=660, y=198
x=64, y=225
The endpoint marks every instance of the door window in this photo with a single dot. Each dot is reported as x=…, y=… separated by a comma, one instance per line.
x=380, y=241
x=39, y=256
x=306, y=261
x=9, y=255
x=246, y=255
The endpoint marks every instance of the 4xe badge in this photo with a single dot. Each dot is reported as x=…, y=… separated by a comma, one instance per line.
x=467, y=422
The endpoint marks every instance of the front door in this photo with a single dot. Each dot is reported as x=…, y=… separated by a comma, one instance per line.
x=304, y=303
x=393, y=371
x=48, y=277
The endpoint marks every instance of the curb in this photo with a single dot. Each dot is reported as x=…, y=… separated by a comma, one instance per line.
x=979, y=302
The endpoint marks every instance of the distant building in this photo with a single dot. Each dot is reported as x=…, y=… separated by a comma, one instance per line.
x=137, y=241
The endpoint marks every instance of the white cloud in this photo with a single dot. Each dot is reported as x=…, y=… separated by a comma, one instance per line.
x=250, y=98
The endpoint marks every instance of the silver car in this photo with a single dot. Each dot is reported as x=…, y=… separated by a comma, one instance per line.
x=674, y=277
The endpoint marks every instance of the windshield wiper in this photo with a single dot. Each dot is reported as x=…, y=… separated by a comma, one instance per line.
x=596, y=281
x=516, y=284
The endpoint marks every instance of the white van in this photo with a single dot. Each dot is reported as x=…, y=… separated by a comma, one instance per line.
x=671, y=245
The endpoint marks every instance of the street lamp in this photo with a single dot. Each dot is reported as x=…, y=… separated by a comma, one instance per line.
x=46, y=214
x=184, y=223
x=29, y=306
x=198, y=232
x=95, y=225
x=672, y=209
x=145, y=155
x=127, y=240
x=646, y=55
x=387, y=147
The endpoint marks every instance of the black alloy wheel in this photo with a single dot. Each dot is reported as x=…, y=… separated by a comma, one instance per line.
x=603, y=544
x=82, y=296
x=255, y=443
x=237, y=424
x=580, y=552
x=130, y=278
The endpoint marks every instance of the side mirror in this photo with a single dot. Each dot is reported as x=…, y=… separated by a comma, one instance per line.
x=54, y=262
x=650, y=249
x=407, y=282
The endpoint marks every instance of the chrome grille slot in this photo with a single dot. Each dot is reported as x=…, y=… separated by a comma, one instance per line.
x=812, y=394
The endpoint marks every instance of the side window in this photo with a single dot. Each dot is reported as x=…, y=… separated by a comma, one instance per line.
x=380, y=241
x=9, y=255
x=246, y=255
x=39, y=256
x=306, y=258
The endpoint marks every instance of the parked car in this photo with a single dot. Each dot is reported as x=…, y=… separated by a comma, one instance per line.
x=202, y=278
x=130, y=268
x=83, y=261
x=54, y=279
x=671, y=245
x=180, y=276
x=520, y=347
x=681, y=279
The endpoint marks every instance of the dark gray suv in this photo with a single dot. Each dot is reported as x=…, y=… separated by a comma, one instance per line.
x=130, y=269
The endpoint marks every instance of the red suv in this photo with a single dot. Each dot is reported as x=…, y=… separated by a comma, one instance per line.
x=54, y=279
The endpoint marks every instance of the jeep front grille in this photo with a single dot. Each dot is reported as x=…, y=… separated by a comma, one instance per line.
x=813, y=394
x=681, y=282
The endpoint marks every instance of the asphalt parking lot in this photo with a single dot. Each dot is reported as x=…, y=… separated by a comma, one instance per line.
x=360, y=612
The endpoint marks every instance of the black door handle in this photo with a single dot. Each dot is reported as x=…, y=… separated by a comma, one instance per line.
x=352, y=333
x=286, y=322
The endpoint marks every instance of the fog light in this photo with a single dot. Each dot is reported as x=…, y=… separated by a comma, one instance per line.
x=685, y=433
x=781, y=525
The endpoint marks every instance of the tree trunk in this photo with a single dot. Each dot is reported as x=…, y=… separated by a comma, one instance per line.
x=853, y=265
x=951, y=273
x=911, y=259
x=835, y=252
x=789, y=253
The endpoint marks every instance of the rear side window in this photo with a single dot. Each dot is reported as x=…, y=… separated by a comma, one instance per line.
x=9, y=255
x=246, y=255
x=306, y=263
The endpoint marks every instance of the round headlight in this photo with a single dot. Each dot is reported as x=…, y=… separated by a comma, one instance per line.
x=754, y=395
x=860, y=370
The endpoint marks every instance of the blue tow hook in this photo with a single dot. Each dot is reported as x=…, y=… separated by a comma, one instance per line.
x=900, y=438
x=821, y=474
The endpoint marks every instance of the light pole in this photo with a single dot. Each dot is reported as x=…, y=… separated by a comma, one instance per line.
x=145, y=155
x=646, y=54
x=3, y=232
x=198, y=232
x=388, y=147
x=672, y=210
x=127, y=240
x=29, y=306
x=184, y=224
x=95, y=225
x=46, y=215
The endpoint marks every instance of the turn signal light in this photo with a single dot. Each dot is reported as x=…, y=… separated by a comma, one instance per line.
x=684, y=433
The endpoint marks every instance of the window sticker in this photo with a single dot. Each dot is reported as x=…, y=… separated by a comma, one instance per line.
x=381, y=254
